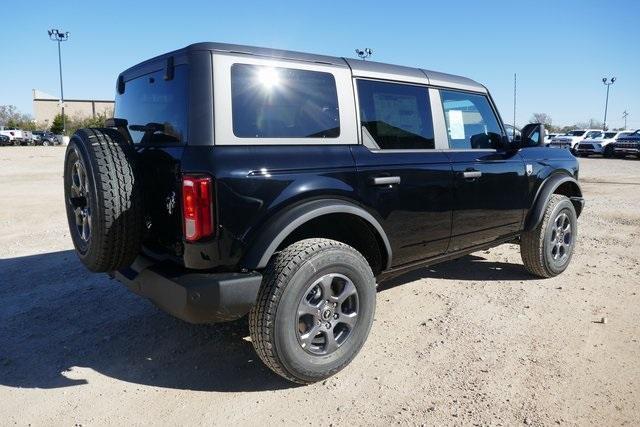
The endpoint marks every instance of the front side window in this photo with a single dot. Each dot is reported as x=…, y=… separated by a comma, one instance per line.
x=155, y=108
x=395, y=116
x=276, y=102
x=470, y=120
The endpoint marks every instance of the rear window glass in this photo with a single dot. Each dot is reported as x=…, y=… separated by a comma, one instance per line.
x=155, y=108
x=275, y=102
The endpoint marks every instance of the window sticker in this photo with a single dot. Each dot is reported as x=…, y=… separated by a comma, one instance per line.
x=456, y=124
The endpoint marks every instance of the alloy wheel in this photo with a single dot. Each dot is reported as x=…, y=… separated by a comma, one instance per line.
x=327, y=314
x=79, y=199
x=561, y=238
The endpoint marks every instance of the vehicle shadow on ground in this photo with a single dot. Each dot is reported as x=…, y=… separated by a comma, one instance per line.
x=55, y=316
x=468, y=268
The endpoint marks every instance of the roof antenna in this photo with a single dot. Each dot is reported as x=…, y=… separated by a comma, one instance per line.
x=364, y=53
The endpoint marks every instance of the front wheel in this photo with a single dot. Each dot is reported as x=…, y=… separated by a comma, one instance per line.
x=547, y=249
x=314, y=310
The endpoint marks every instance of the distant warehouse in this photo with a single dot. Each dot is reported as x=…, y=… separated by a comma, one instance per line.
x=46, y=107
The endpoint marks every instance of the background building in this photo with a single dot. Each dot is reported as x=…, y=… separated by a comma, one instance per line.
x=46, y=107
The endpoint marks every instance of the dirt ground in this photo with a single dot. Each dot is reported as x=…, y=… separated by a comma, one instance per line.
x=475, y=341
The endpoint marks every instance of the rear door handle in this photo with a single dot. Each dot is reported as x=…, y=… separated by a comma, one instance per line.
x=385, y=180
x=471, y=174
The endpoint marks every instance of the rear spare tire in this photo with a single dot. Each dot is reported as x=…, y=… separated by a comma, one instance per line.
x=102, y=199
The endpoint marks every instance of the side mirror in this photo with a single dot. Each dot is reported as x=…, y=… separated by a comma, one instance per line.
x=532, y=135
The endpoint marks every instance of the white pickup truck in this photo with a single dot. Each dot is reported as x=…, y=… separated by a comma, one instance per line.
x=17, y=136
x=570, y=139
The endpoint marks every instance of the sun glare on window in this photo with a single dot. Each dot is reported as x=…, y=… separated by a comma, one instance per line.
x=268, y=77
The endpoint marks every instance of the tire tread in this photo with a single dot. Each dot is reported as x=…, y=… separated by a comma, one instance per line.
x=532, y=242
x=118, y=196
x=279, y=270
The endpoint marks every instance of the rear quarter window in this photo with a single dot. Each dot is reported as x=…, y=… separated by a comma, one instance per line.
x=278, y=102
x=156, y=109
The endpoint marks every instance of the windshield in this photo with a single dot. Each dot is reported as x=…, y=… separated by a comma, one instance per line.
x=576, y=133
x=610, y=135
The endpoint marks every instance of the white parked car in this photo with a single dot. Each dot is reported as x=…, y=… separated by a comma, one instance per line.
x=570, y=139
x=597, y=143
x=17, y=136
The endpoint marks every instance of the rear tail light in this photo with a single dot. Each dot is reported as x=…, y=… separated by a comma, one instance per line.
x=197, y=207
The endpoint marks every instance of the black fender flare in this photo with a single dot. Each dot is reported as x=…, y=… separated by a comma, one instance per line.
x=274, y=232
x=546, y=190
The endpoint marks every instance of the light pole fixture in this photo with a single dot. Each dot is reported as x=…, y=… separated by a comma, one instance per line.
x=607, y=83
x=60, y=36
x=364, y=53
x=624, y=116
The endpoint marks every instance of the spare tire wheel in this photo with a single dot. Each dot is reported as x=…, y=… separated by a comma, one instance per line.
x=103, y=199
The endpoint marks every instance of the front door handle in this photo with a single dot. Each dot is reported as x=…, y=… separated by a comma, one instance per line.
x=385, y=180
x=471, y=174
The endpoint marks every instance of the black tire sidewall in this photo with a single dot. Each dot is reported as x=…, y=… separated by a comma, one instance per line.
x=86, y=252
x=295, y=359
x=564, y=205
x=608, y=152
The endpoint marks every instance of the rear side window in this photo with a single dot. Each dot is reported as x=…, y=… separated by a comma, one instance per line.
x=471, y=122
x=395, y=116
x=276, y=102
x=155, y=108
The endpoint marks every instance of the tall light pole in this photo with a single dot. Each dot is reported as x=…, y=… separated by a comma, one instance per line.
x=624, y=116
x=60, y=36
x=606, y=103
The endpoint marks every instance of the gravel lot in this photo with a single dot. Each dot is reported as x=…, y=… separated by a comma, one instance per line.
x=473, y=341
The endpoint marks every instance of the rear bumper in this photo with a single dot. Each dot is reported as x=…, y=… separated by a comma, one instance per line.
x=191, y=296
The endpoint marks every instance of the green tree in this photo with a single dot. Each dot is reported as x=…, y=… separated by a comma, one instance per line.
x=57, y=125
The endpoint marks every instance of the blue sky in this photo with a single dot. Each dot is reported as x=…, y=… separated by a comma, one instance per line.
x=559, y=49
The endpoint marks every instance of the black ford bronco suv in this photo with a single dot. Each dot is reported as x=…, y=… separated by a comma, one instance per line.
x=237, y=180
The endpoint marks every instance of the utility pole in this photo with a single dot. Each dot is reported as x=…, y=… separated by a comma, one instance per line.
x=624, y=116
x=606, y=103
x=60, y=36
x=364, y=53
x=515, y=80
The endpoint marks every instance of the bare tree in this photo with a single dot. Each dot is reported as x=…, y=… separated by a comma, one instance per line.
x=543, y=118
x=11, y=117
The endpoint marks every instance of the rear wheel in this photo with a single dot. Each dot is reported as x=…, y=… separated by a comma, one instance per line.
x=102, y=198
x=314, y=310
x=547, y=249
